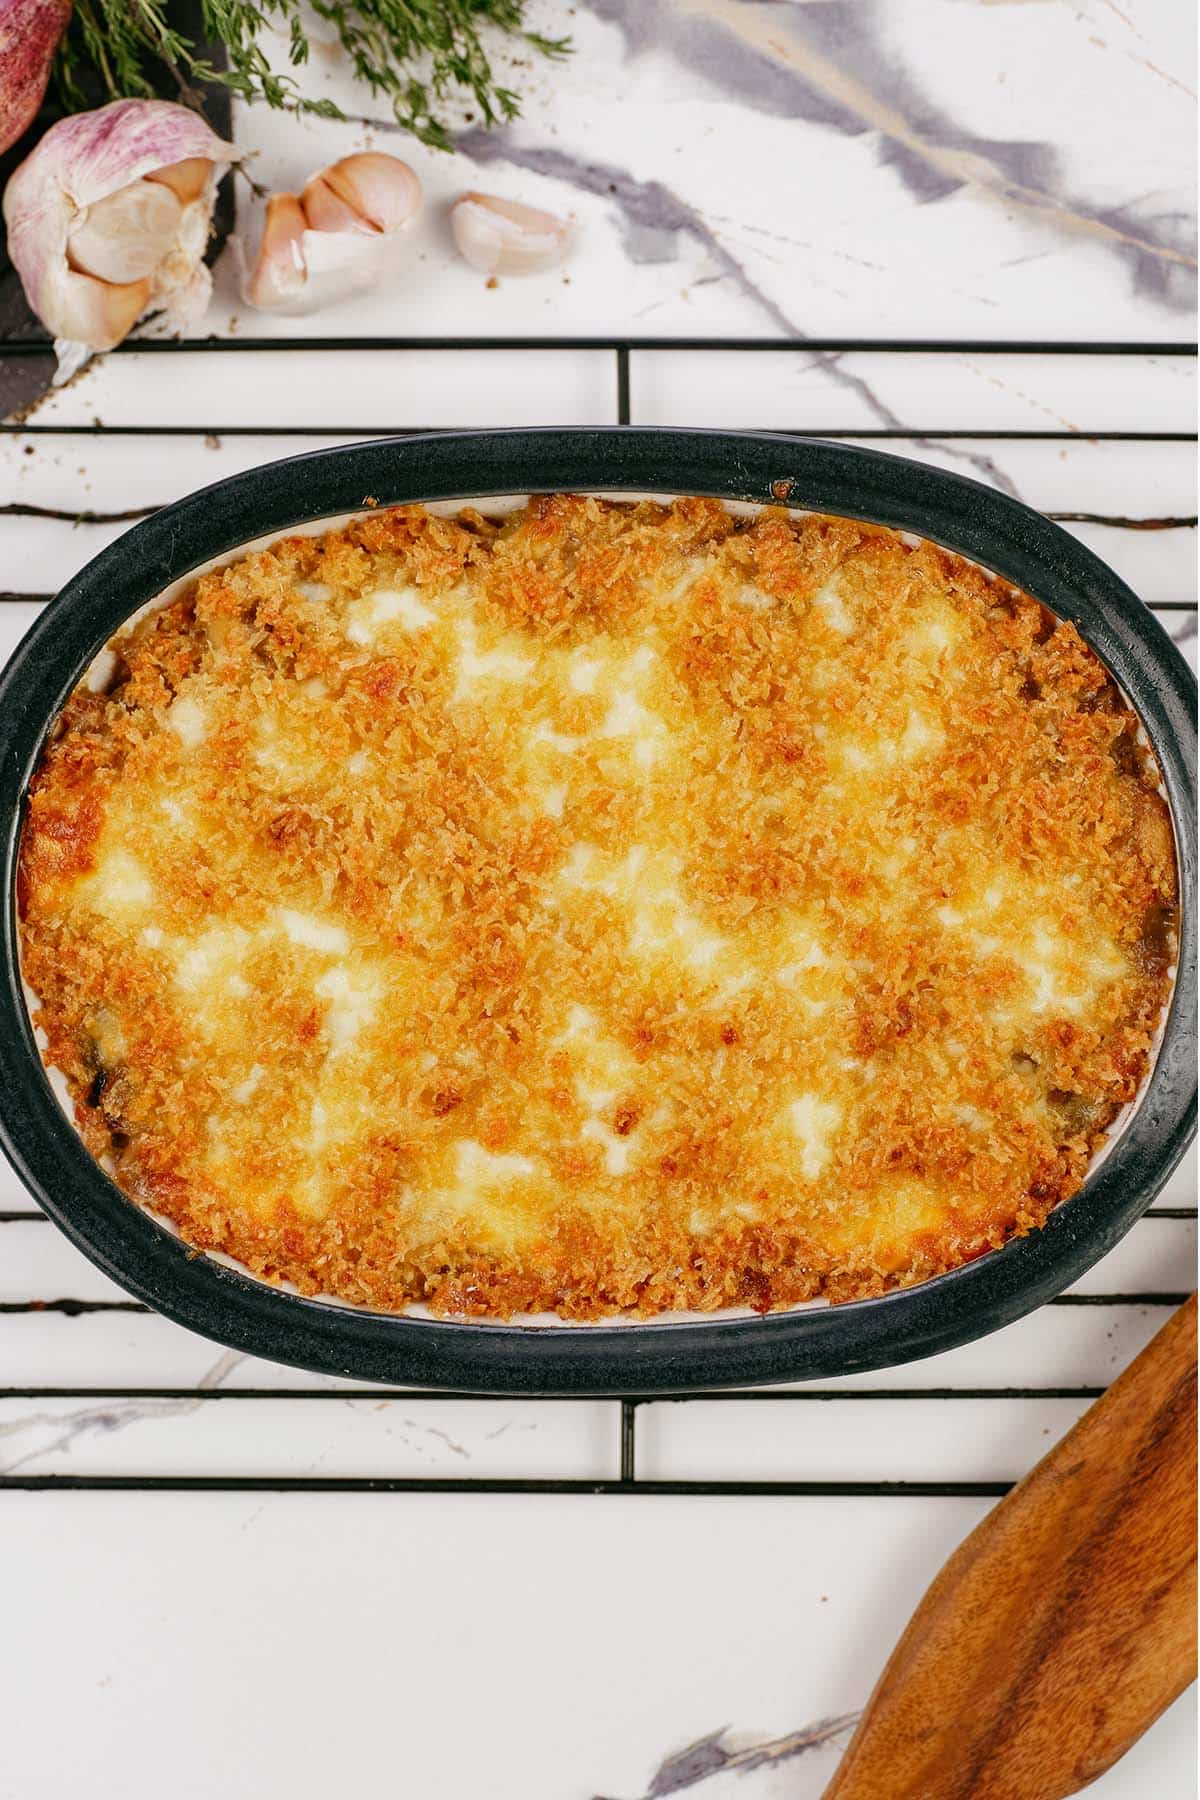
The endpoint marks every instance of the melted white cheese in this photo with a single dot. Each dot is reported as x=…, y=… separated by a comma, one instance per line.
x=314, y=934
x=617, y=1150
x=365, y=617
x=833, y=607
x=478, y=667
x=120, y=887
x=582, y=673
x=814, y=1122
x=478, y=1168
x=188, y=720
x=353, y=995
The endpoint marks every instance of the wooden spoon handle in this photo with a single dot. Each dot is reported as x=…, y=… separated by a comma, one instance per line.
x=1065, y=1623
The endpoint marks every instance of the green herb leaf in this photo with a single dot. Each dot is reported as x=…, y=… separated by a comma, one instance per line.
x=413, y=54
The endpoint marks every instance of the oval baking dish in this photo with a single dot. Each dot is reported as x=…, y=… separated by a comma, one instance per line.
x=673, y=1354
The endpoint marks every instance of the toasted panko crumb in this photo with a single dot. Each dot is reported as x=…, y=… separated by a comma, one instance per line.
x=611, y=908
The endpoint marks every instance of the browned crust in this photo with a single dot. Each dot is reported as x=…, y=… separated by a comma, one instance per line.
x=1036, y=764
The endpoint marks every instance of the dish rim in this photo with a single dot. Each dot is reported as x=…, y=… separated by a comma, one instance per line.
x=661, y=1354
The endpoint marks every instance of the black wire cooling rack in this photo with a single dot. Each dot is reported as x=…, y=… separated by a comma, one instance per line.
x=22, y=585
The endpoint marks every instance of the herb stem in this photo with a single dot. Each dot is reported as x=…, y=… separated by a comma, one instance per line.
x=414, y=54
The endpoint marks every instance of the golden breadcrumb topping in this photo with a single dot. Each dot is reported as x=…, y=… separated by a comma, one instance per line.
x=607, y=907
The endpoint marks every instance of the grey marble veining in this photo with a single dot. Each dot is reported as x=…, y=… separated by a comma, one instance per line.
x=828, y=64
x=41, y=1434
x=699, y=1763
x=936, y=168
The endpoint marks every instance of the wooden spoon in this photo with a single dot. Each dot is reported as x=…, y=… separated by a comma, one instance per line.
x=1065, y=1623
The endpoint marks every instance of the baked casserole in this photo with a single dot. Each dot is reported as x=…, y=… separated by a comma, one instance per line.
x=601, y=908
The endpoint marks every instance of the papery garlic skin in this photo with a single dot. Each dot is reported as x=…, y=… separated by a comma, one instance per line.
x=383, y=191
x=70, y=192
x=503, y=237
x=321, y=209
x=105, y=309
x=29, y=34
x=280, y=274
x=187, y=180
x=338, y=239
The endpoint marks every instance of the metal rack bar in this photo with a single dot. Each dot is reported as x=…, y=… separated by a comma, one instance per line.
x=420, y=1484
x=623, y=384
x=801, y=346
x=628, y=1441
x=620, y=348
x=907, y=434
x=381, y=1396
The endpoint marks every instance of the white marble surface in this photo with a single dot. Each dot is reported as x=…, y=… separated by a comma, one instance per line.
x=514, y=1647
x=849, y=168
x=880, y=169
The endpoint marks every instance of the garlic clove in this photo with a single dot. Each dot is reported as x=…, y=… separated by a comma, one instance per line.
x=99, y=313
x=338, y=240
x=324, y=211
x=503, y=237
x=280, y=272
x=126, y=235
x=187, y=180
x=383, y=191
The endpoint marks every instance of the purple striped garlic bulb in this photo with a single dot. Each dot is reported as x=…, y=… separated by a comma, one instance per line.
x=108, y=219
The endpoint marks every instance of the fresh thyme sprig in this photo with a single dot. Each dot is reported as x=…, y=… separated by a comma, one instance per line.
x=413, y=54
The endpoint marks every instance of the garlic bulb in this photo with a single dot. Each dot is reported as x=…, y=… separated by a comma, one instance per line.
x=29, y=34
x=109, y=217
x=337, y=238
x=502, y=237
